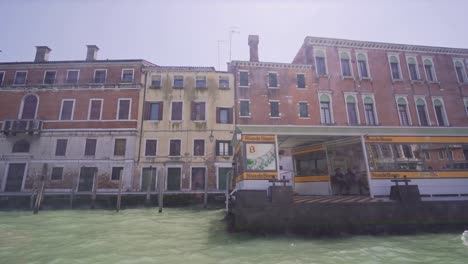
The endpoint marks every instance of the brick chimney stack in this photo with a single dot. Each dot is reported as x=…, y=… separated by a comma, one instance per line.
x=253, y=44
x=42, y=54
x=91, y=54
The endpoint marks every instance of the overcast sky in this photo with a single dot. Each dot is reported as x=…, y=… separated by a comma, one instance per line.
x=188, y=32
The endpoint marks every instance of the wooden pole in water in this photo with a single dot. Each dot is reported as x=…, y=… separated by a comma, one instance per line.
x=148, y=187
x=72, y=191
x=161, y=192
x=93, y=195
x=31, y=201
x=205, y=194
x=119, y=194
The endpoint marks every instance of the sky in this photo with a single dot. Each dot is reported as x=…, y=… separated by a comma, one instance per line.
x=196, y=33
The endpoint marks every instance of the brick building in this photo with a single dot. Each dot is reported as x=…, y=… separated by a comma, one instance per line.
x=73, y=121
x=358, y=105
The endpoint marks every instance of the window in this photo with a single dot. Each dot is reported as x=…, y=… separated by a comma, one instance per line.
x=90, y=147
x=73, y=76
x=223, y=148
x=395, y=67
x=124, y=109
x=441, y=154
x=274, y=109
x=223, y=115
x=427, y=155
x=465, y=101
x=2, y=76
x=369, y=111
x=95, y=109
x=223, y=82
x=198, y=178
x=20, y=78
x=325, y=112
x=116, y=173
x=351, y=110
x=460, y=70
x=57, y=174
x=174, y=147
x=440, y=112
x=413, y=68
x=429, y=70
x=153, y=110
x=320, y=62
x=272, y=80
x=386, y=152
x=61, y=147
x=155, y=81
x=176, y=111
x=119, y=146
x=345, y=64
x=244, y=108
x=29, y=108
x=449, y=154
x=363, y=66
x=403, y=112
x=21, y=146
x=303, y=109
x=407, y=151
x=200, y=82
x=100, y=76
x=49, y=77
x=173, y=179
x=243, y=78
x=150, y=147
x=222, y=178
x=148, y=179
x=198, y=111
x=127, y=75
x=300, y=80
x=422, y=113
x=198, y=147
x=178, y=82
x=67, y=110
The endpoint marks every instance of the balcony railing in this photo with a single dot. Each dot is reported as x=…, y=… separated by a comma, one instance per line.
x=20, y=126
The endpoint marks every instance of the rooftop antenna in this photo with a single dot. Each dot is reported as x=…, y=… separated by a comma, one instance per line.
x=219, y=53
x=232, y=30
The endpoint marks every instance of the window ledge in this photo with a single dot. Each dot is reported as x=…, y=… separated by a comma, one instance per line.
x=323, y=75
x=273, y=87
x=328, y=124
x=417, y=81
x=397, y=80
x=154, y=87
x=199, y=121
x=275, y=117
x=243, y=86
x=301, y=88
x=156, y=121
x=347, y=77
x=176, y=121
x=249, y=116
x=304, y=117
x=224, y=88
x=174, y=157
x=365, y=78
x=201, y=87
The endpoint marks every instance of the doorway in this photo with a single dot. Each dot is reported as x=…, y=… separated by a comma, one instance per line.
x=86, y=181
x=14, y=180
x=173, y=179
x=148, y=177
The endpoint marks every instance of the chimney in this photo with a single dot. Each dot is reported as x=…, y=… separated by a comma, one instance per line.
x=42, y=54
x=253, y=43
x=91, y=54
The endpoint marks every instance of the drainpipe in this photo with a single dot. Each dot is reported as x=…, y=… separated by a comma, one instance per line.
x=142, y=118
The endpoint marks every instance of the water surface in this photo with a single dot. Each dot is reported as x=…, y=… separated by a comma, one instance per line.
x=197, y=236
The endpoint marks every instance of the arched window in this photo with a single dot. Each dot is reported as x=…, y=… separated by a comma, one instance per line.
x=29, y=107
x=413, y=68
x=429, y=69
x=362, y=65
x=422, y=113
x=369, y=110
x=325, y=112
x=403, y=112
x=345, y=64
x=460, y=69
x=320, y=62
x=440, y=112
x=395, y=68
x=21, y=146
x=351, y=108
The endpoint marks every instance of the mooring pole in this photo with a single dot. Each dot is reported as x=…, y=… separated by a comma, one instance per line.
x=160, y=192
x=93, y=195
x=119, y=194
x=205, y=194
x=39, y=196
x=148, y=187
x=72, y=191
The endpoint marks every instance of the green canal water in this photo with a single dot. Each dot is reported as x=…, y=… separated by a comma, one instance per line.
x=198, y=236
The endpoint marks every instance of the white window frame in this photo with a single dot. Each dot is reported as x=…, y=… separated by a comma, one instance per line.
x=20, y=112
x=416, y=98
x=324, y=50
x=113, y=149
x=279, y=112
x=397, y=55
x=182, y=110
x=129, y=109
x=418, y=75
x=277, y=80
x=299, y=110
x=174, y=79
x=193, y=147
x=157, y=145
x=354, y=95
x=169, y=147
x=205, y=179
x=349, y=62
x=206, y=112
x=3, y=77
x=72, y=112
x=224, y=77
x=151, y=81
x=55, y=146
x=220, y=166
x=77, y=77
x=89, y=108
x=201, y=77
x=248, y=79
x=465, y=79
x=45, y=73
x=240, y=111
x=363, y=52
x=305, y=80
x=371, y=95
x=122, y=73
x=332, y=116
x=181, y=174
x=94, y=76
x=434, y=75
x=447, y=122
x=408, y=114
x=25, y=78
